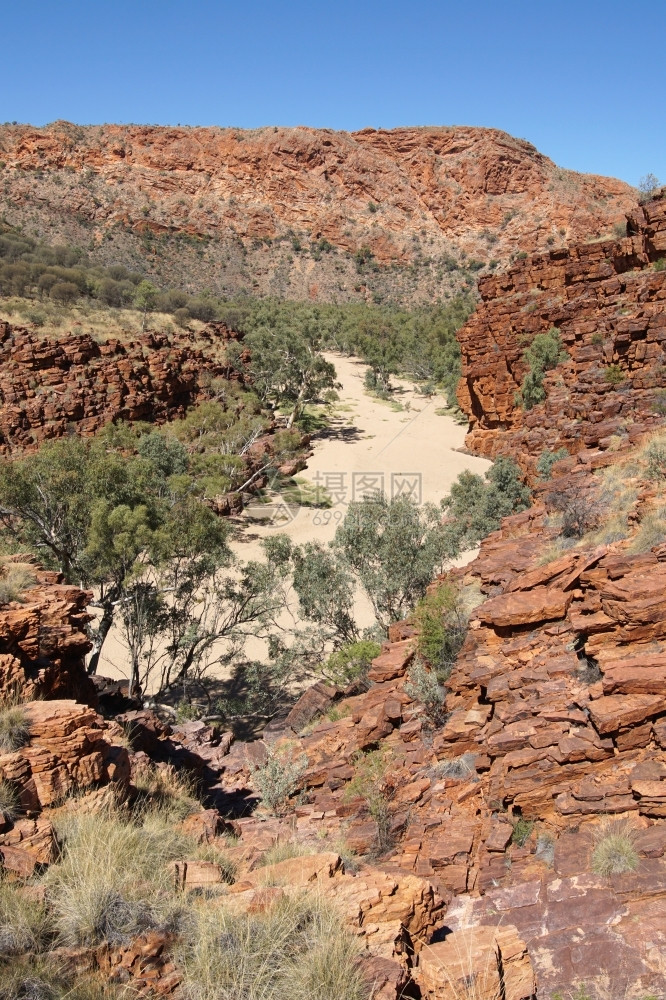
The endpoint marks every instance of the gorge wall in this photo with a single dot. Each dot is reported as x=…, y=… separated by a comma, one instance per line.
x=49, y=387
x=283, y=211
x=607, y=301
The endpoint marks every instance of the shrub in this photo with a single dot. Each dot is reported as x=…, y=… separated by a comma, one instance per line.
x=659, y=403
x=14, y=728
x=351, y=662
x=64, y=292
x=655, y=453
x=475, y=507
x=547, y=460
x=182, y=318
x=522, y=830
x=660, y=265
x=648, y=186
x=613, y=375
x=278, y=778
x=372, y=783
x=544, y=353
x=423, y=686
x=581, y=510
x=614, y=852
x=442, y=618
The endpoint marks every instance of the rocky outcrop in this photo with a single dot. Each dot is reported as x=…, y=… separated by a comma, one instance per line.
x=43, y=642
x=607, y=301
x=282, y=211
x=67, y=749
x=48, y=387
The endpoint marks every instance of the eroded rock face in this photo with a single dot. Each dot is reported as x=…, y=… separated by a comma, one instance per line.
x=403, y=194
x=67, y=750
x=43, y=642
x=608, y=303
x=49, y=386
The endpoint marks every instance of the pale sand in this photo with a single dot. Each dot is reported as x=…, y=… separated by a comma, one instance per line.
x=366, y=437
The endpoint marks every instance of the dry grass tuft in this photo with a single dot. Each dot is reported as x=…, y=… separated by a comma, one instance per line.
x=163, y=788
x=457, y=768
x=15, y=579
x=283, y=850
x=652, y=532
x=14, y=728
x=24, y=922
x=614, y=852
x=298, y=950
x=9, y=803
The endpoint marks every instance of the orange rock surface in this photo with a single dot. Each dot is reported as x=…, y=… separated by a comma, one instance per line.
x=607, y=301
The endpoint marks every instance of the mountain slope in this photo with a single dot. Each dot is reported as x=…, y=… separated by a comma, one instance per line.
x=406, y=214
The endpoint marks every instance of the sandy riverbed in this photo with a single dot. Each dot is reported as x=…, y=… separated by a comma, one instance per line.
x=369, y=444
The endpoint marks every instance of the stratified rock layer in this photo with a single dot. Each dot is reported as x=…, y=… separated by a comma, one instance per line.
x=48, y=387
x=608, y=303
x=43, y=642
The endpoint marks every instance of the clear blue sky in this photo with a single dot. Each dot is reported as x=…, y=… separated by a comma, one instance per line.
x=584, y=81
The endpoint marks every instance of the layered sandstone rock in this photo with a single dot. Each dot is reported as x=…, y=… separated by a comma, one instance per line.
x=48, y=387
x=608, y=303
x=43, y=642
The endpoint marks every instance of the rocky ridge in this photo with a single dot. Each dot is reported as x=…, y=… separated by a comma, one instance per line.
x=283, y=211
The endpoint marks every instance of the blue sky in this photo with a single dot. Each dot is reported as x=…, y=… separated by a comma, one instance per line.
x=584, y=81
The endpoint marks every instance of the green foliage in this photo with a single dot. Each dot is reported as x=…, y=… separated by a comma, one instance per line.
x=123, y=512
x=288, y=369
x=372, y=782
x=547, y=460
x=441, y=618
x=351, y=662
x=659, y=265
x=544, y=353
x=475, y=506
x=278, y=778
x=522, y=831
x=655, y=453
x=324, y=585
x=614, y=375
x=392, y=547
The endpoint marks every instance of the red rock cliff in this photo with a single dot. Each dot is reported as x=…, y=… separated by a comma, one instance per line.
x=608, y=303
